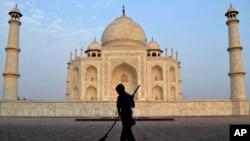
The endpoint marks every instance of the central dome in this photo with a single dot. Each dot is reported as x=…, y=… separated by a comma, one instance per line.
x=123, y=31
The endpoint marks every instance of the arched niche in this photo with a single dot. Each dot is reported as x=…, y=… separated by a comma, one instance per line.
x=157, y=93
x=91, y=94
x=91, y=73
x=125, y=74
x=156, y=73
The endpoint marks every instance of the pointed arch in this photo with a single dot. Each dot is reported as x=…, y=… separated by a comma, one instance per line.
x=154, y=54
x=91, y=73
x=126, y=74
x=156, y=73
x=93, y=55
x=157, y=93
x=91, y=94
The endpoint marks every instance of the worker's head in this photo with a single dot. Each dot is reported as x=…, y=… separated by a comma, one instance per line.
x=120, y=88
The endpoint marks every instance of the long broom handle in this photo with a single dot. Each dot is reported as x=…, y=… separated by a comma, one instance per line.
x=112, y=126
x=135, y=90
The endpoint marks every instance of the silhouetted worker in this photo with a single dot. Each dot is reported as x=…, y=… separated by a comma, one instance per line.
x=125, y=103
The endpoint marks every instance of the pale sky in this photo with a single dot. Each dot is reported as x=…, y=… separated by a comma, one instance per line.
x=51, y=29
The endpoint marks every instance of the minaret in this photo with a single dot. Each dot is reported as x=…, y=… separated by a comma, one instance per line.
x=11, y=74
x=237, y=72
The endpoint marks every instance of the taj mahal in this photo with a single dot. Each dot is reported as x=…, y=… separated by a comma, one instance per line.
x=124, y=55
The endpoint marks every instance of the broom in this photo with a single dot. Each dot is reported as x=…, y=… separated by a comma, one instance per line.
x=106, y=135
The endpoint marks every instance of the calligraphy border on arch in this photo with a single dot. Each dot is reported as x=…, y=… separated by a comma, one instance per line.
x=114, y=62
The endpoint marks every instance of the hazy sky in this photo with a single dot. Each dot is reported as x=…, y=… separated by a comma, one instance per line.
x=51, y=29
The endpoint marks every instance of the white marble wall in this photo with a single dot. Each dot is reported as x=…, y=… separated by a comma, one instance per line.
x=108, y=109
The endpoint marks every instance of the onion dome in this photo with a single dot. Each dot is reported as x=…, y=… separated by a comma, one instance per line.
x=94, y=45
x=16, y=11
x=231, y=10
x=153, y=45
x=123, y=31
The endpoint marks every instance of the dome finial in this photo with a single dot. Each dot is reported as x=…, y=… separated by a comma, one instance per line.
x=123, y=10
x=231, y=5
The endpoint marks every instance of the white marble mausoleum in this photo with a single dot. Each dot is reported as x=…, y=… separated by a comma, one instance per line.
x=124, y=55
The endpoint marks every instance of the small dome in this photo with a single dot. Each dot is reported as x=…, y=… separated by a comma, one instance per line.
x=153, y=45
x=123, y=32
x=232, y=9
x=15, y=10
x=94, y=45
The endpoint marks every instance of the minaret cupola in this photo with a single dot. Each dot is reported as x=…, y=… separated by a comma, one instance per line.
x=94, y=49
x=15, y=14
x=154, y=49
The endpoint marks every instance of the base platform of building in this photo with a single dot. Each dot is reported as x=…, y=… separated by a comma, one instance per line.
x=153, y=118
